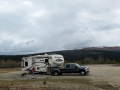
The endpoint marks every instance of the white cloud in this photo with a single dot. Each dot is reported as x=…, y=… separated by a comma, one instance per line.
x=39, y=13
x=28, y=26
x=27, y=3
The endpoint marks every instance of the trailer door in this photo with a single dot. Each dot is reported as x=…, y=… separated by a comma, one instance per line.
x=46, y=61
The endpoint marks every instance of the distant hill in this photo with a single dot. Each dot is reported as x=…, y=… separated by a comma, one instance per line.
x=107, y=54
x=90, y=54
x=116, y=48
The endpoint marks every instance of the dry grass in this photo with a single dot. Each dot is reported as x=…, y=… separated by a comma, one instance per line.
x=115, y=65
x=9, y=70
x=51, y=84
x=29, y=81
x=106, y=86
x=55, y=84
x=48, y=87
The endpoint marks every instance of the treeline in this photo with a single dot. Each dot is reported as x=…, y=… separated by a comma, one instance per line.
x=91, y=56
x=100, y=60
x=9, y=63
x=79, y=56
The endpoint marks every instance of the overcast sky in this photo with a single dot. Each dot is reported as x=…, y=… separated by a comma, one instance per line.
x=34, y=26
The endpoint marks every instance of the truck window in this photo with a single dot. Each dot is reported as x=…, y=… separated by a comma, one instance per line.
x=76, y=66
x=68, y=66
x=72, y=66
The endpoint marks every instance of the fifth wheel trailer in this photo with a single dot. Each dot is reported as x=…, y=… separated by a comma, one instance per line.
x=42, y=63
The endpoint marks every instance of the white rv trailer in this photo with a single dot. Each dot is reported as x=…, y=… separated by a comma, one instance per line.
x=42, y=63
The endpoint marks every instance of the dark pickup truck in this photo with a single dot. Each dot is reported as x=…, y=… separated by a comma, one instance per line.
x=70, y=68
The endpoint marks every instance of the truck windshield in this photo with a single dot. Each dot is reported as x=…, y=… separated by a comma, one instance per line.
x=77, y=65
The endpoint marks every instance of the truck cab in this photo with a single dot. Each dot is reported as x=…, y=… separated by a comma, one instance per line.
x=70, y=68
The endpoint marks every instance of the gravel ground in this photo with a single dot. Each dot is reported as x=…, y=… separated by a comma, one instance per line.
x=97, y=72
x=100, y=74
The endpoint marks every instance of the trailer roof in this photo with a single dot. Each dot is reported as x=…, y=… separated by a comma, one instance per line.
x=45, y=55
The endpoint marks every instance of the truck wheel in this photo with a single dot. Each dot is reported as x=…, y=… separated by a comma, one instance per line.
x=55, y=73
x=82, y=73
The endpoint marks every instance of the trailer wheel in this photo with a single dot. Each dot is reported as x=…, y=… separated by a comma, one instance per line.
x=55, y=73
x=82, y=73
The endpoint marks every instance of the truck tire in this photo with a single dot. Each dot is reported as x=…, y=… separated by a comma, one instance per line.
x=55, y=73
x=82, y=72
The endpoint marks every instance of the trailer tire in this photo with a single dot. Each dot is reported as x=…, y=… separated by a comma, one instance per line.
x=55, y=73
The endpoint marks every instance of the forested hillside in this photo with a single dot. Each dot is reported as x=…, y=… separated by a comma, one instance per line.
x=91, y=56
x=83, y=56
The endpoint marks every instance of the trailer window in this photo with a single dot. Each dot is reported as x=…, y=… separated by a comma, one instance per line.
x=38, y=68
x=26, y=63
x=58, y=60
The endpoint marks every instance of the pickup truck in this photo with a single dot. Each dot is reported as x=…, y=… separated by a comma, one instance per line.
x=70, y=68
